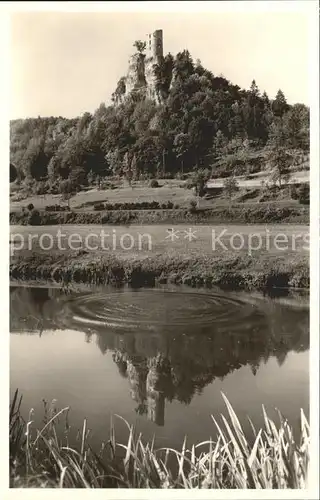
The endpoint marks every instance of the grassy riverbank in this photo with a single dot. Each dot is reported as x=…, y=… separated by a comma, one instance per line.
x=235, y=256
x=230, y=271
x=269, y=458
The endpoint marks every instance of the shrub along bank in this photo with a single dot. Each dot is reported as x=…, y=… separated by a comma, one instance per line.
x=232, y=271
x=236, y=214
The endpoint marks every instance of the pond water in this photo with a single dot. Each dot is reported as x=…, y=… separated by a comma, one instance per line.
x=159, y=357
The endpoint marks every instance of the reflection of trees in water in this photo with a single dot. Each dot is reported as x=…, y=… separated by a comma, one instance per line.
x=27, y=307
x=179, y=366
x=34, y=309
x=174, y=363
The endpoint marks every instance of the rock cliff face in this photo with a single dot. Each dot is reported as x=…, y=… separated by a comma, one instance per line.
x=141, y=76
x=136, y=79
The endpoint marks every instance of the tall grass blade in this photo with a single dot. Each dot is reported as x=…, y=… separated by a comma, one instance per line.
x=275, y=460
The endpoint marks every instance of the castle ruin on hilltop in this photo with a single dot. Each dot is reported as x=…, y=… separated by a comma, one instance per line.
x=141, y=75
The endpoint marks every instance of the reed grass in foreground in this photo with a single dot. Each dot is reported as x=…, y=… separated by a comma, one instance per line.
x=271, y=458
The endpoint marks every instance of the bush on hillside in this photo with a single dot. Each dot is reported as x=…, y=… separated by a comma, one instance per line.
x=304, y=194
x=55, y=208
x=294, y=192
x=193, y=206
x=34, y=218
x=98, y=207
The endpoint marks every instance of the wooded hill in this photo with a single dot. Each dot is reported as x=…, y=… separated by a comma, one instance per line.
x=202, y=119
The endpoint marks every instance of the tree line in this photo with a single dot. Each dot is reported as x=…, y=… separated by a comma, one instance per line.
x=201, y=119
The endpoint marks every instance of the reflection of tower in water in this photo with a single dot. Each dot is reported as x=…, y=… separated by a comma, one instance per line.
x=156, y=407
x=147, y=380
x=158, y=369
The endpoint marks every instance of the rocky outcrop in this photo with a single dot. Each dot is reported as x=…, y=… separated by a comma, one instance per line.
x=151, y=80
x=143, y=72
x=136, y=79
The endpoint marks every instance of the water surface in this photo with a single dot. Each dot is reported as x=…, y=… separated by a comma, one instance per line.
x=159, y=357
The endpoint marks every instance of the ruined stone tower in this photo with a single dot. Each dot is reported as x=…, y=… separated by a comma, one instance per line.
x=155, y=45
x=154, y=56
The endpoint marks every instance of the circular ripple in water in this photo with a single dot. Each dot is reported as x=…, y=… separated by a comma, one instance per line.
x=147, y=309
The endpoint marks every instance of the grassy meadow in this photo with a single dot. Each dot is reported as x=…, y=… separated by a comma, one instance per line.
x=216, y=243
x=169, y=191
x=174, y=191
x=179, y=239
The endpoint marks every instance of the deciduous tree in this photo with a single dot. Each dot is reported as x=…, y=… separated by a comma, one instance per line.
x=230, y=186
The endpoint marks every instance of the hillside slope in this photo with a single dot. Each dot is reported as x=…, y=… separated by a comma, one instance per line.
x=201, y=121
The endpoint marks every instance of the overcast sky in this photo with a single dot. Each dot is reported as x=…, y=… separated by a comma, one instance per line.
x=68, y=63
